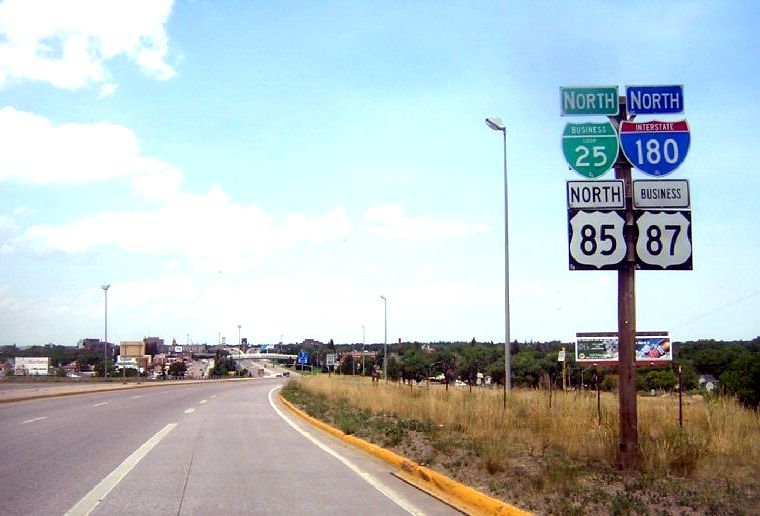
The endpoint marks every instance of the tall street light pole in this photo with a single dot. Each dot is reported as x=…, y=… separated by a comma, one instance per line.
x=105, y=344
x=239, y=341
x=385, y=338
x=497, y=125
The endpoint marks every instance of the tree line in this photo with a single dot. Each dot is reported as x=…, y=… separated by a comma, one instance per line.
x=734, y=364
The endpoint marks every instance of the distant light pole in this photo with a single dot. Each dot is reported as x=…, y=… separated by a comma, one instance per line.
x=497, y=125
x=364, y=338
x=385, y=338
x=239, y=341
x=105, y=344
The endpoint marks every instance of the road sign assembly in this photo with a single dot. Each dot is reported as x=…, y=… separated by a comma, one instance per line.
x=652, y=230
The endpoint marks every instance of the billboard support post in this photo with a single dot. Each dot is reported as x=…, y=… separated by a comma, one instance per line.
x=680, y=398
x=598, y=400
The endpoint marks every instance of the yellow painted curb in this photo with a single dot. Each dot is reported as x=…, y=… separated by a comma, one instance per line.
x=461, y=496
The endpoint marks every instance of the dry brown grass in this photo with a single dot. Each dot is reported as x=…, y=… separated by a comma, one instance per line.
x=717, y=437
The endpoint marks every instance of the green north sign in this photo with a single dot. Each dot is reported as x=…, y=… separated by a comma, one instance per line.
x=590, y=149
x=600, y=100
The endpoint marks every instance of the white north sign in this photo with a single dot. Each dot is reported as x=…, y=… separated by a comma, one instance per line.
x=596, y=195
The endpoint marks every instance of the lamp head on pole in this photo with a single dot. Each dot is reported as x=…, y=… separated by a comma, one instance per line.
x=105, y=287
x=496, y=124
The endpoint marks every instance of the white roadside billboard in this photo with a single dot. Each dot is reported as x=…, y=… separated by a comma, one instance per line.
x=31, y=365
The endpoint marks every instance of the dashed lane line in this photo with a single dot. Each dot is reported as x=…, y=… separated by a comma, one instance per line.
x=33, y=420
x=100, y=404
x=98, y=493
x=190, y=411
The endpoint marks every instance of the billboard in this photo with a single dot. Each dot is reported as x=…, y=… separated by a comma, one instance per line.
x=31, y=365
x=602, y=348
x=127, y=363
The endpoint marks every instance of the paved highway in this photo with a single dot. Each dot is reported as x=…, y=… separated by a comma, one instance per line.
x=204, y=448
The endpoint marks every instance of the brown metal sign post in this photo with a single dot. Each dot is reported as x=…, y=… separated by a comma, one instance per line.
x=629, y=442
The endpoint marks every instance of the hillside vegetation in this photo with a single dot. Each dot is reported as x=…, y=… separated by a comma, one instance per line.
x=555, y=455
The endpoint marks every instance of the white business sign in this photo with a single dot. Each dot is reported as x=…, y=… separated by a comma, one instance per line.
x=661, y=193
x=32, y=365
x=330, y=360
x=596, y=195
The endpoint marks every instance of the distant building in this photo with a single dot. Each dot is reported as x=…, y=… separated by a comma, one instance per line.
x=71, y=368
x=153, y=345
x=95, y=345
x=132, y=348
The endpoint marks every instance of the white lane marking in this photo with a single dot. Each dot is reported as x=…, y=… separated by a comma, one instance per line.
x=100, y=404
x=204, y=401
x=136, y=397
x=213, y=396
x=190, y=411
x=98, y=493
x=390, y=493
x=33, y=420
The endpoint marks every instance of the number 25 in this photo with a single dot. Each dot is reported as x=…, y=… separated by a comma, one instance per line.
x=583, y=153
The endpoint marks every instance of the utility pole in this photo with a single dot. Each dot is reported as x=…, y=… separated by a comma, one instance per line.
x=629, y=441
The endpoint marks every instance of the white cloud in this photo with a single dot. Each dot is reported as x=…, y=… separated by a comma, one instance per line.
x=36, y=151
x=157, y=186
x=209, y=229
x=7, y=223
x=67, y=43
x=392, y=220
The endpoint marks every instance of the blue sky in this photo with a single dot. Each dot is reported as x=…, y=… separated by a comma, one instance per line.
x=280, y=165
